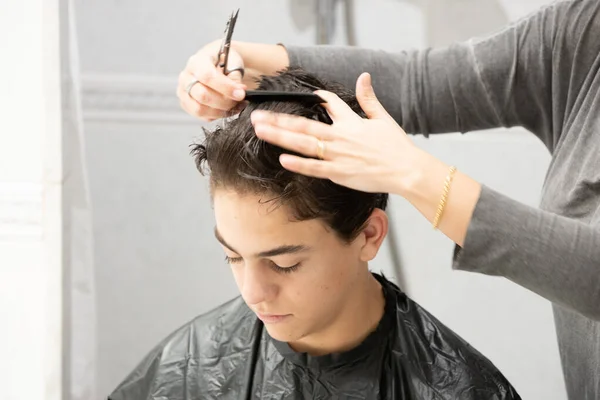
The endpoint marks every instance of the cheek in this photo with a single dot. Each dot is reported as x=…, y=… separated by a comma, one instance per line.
x=238, y=275
x=326, y=279
x=340, y=265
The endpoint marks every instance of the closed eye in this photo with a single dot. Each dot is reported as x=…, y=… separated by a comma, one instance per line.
x=272, y=265
x=233, y=260
x=284, y=270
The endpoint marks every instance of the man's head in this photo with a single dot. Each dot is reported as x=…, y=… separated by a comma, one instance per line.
x=298, y=246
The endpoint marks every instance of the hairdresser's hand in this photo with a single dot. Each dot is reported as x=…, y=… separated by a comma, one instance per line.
x=371, y=155
x=215, y=94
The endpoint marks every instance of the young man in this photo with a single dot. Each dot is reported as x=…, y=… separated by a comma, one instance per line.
x=312, y=321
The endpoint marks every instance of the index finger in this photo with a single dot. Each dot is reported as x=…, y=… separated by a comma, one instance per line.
x=336, y=107
x=209, y=75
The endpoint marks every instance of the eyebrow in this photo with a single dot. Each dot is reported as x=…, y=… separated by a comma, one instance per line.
x=285, y=249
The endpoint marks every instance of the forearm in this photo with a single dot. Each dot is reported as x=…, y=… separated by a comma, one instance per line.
x=261, y=59
x=554, y=256
x=502, y=80
x=424, y=189
x=431, y=90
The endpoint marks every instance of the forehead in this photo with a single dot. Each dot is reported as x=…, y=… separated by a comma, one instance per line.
x=251, y=218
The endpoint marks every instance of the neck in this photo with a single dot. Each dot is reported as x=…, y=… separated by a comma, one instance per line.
x=361, y=315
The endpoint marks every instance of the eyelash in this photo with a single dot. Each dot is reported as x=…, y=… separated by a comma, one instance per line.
x=275, y=267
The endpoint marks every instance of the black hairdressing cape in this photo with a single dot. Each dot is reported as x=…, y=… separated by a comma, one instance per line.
x=228, y=354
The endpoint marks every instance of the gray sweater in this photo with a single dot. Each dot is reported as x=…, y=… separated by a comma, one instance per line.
x=541, y=73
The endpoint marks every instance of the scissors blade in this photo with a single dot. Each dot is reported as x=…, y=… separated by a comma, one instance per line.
x=230, y=26
x=226, y=43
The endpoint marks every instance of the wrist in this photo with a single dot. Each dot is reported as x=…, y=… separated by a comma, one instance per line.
x=418, y=175
x=424, y=187
x=260, y=59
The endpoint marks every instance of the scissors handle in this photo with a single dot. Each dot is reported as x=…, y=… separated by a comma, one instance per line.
x=238, y=69
x=223, y=65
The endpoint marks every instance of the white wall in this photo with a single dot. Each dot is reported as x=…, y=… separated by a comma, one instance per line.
x=157, y=263
x=30, y=202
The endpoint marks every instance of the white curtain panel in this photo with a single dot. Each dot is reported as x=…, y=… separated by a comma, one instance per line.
x=78, y=232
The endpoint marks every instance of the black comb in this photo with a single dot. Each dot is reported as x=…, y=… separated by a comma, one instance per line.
x=261, y=96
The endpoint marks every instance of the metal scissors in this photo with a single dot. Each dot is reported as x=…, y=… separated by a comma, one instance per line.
x=223, y=55
x=257, y=96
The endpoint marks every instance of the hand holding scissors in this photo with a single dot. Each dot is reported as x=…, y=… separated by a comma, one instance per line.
x=207, y=87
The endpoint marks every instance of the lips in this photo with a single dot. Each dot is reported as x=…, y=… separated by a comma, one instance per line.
x=272, y=318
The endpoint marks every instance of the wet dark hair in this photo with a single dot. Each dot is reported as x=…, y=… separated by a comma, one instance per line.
x=237, y=159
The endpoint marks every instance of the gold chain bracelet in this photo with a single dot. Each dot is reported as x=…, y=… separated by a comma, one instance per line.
x=444, y=199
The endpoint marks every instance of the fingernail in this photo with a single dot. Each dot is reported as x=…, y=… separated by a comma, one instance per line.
x=238, y=94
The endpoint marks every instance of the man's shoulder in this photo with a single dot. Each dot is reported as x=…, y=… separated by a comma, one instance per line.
x=428, y=349
x=214, y=326
x=226, y=331
x=208, y=334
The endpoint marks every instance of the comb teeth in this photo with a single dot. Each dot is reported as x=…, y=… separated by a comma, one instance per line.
x=261, y=96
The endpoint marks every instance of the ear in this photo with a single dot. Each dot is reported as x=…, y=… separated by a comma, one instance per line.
x=374, y=233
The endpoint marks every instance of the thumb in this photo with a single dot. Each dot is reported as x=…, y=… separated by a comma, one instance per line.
x=367, y=99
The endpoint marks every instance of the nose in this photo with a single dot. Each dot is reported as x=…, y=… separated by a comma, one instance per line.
x=256, y=286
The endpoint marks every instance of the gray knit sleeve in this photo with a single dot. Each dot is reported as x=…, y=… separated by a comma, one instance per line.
x=554, y=256
x=504, y=79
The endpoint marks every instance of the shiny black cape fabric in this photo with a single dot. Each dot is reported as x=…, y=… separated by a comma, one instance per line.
x=227, y=354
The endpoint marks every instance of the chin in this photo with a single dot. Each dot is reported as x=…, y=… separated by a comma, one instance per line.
x=284, y=334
